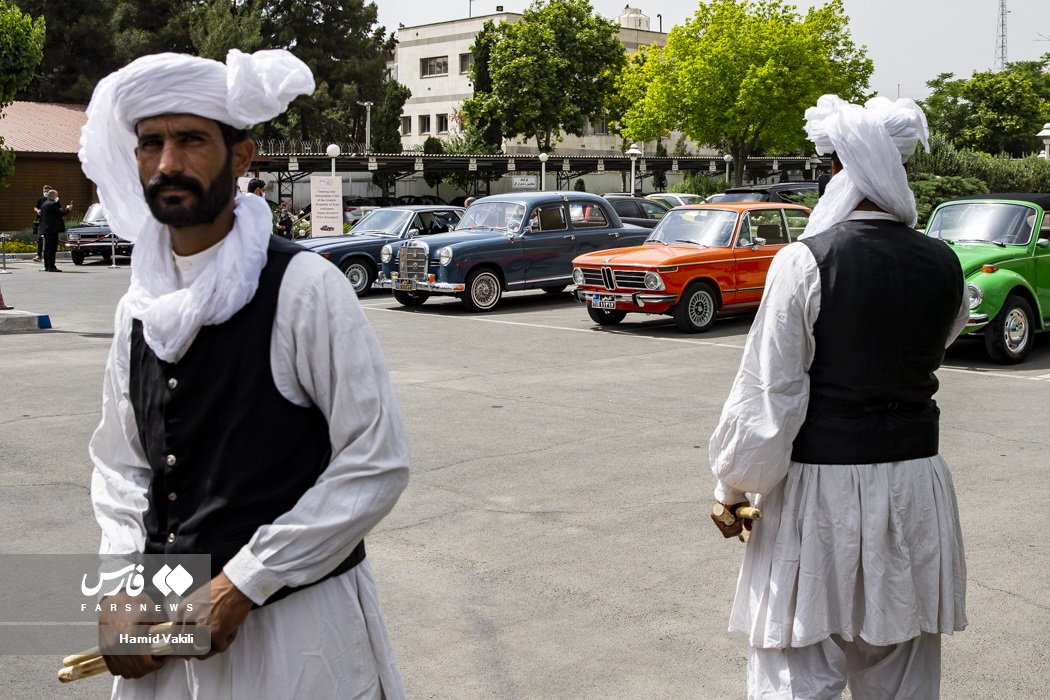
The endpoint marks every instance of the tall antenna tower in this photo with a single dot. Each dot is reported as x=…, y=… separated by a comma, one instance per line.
x=1000, y=38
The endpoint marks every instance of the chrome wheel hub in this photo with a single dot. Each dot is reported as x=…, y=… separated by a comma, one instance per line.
x=485, y=290
x=701, y=308
x=1015, y=330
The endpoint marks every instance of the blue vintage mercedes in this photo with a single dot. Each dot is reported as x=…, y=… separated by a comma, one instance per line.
x=505, y=243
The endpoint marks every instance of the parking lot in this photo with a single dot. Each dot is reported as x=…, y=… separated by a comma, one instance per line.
x=554, y=540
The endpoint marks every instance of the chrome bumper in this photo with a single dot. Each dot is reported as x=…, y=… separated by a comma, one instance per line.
x=638, y=298
x=419, y=286
x=976, y=320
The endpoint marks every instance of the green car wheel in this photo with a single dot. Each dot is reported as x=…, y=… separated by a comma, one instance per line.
x=1008, y=338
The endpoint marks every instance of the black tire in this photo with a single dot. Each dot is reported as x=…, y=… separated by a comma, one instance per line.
x=482, y=291
x=361, y=274
x=77, y=256
x=605, y=317
x=107, y=256
x=411, y=298
x=1009, y=337
x=554, y=290
x=696, y=309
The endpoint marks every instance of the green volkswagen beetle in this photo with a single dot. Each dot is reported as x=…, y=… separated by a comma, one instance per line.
x=1003, y=243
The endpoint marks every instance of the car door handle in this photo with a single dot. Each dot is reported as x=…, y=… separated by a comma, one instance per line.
x=615, y=235
x=569, y=238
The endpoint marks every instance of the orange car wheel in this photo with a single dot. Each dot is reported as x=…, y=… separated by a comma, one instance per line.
x=696, y=309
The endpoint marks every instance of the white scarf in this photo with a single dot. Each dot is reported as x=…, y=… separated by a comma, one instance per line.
x=246, y=90
x=871, y=142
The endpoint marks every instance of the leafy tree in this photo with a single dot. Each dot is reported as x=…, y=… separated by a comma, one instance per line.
x=435, y=145
x=640, y=120
x=218, y=26
x=551, y=71
x=78, y=49
x=386, y=128
x=579, y=185
x=141, y=27
x=740, y=74
x=347, y=54
x=476, y=112
x=21, y=50
x=992, y=112
x=472, y=140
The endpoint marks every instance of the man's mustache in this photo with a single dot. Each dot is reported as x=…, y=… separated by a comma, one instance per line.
x=161, y=182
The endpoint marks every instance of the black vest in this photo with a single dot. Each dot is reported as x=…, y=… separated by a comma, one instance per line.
x=888, y=299
x=228, y=452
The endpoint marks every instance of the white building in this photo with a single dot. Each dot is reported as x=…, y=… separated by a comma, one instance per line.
x=433, y=61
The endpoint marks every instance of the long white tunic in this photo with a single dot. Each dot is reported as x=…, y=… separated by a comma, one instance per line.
x=872, y=550
x=330, y=640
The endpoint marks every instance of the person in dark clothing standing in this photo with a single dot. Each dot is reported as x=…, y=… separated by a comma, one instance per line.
x=52, y=223
x=856, y=567
x=36, y=225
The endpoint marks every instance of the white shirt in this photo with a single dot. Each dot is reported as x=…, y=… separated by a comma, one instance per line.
x=324, y=353
x=823, y=560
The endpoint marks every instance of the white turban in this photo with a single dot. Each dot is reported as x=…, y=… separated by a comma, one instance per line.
x=871, y=142
x=246, y=90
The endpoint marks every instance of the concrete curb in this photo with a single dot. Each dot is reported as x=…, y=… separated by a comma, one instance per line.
x=21, y=321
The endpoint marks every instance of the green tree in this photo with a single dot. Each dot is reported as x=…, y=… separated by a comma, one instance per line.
x=947, y=112
x=740, y=74
x=1006, y=113
x=218, y=26
x=386, y=128
x=472, y=141
x=78, y=49
x=21, y=50
x=992, y=112
x=433, y=145
x=141, y=27
x=347, y=53
x=477, y=111
x=660, y=174
x=552, y=71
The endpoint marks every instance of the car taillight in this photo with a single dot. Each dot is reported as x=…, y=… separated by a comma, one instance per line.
x=351, y=209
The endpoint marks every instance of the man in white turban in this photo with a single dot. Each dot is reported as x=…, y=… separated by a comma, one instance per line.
x=247, y=411
x=857, y=565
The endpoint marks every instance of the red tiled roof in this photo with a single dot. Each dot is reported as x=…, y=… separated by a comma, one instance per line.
x=42, y=127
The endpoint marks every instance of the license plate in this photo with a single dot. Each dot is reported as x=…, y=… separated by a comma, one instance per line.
x=600, y=302
x=403, y=285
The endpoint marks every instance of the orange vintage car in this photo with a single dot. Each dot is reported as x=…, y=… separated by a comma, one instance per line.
x=702, y=259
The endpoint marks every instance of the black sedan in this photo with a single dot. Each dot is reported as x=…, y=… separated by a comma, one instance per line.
x=638, y=210
x=357, y=253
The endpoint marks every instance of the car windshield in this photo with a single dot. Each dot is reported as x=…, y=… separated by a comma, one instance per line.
x=95, y=215
x=983, y=222
x=502, y=216
x=385, y=222
x=705, y=227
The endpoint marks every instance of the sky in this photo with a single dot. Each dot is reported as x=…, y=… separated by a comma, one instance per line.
x=910, y=41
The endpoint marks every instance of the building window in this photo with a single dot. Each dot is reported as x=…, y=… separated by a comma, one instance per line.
x=442, y=124
x=406, y=126
x=466, y=60
x=424, y=123
x=601, y=127
x=430, y=67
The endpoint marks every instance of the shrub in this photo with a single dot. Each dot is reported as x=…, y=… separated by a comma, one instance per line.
x=701, y=185
x=579, y=185
x=931, y=190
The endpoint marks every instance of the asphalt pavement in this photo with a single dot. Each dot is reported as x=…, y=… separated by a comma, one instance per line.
x=554, y=540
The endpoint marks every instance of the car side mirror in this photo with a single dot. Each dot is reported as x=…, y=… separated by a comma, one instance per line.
x=1043, y=243
x=758, y=242
x=413, y=232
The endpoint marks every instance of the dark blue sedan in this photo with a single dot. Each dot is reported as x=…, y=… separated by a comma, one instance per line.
x=357, y=253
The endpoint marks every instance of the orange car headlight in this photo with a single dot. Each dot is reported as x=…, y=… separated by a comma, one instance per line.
x=653, y=282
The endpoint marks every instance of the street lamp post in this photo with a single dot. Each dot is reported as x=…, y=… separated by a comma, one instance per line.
x=814, y=163
x=543, y=170
x=728, y=159
x=333, y=153
x=368, y=125
x=1045, y=136
x=633, y=152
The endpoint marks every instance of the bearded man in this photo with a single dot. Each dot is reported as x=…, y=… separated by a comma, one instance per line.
x=857, y=567
x=247, y=411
